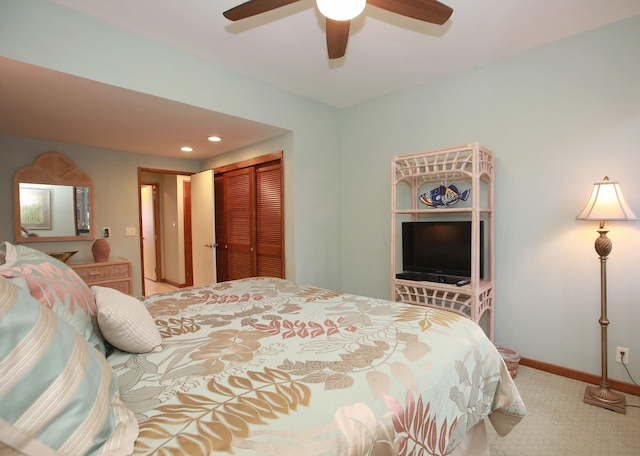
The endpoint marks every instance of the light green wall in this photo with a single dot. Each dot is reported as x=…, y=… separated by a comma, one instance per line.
x=558, y=118
x=63, y=40
x=115, y=180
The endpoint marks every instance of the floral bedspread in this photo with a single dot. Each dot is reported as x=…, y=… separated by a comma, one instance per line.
x=266, y=366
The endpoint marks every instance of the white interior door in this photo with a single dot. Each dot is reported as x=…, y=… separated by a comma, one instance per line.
x=148, y=233
x=203, y=228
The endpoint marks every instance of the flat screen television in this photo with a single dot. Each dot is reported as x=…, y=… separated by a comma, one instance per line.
x=442, y=248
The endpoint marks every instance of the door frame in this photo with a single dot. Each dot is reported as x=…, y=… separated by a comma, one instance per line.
x=141, y=170
x=188, y=239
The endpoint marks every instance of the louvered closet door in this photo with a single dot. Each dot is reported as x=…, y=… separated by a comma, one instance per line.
x=269, y=221
x=239, y=212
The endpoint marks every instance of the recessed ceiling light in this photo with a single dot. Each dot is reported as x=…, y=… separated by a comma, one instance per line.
x=214, y=138
x=186, y=149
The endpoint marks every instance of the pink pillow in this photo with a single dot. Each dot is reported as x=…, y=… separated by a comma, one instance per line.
x=55, y=285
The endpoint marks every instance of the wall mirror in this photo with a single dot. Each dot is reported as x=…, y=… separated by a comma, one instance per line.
x=52, y=201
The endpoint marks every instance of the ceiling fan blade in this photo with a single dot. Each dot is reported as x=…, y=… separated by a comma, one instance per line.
x=430, y=11
x=337, y=37
x=253, y=7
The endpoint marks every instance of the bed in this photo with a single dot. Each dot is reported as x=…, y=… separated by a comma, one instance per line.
x=271, y=367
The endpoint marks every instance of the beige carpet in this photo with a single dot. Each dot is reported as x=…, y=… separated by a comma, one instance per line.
x=558, y=423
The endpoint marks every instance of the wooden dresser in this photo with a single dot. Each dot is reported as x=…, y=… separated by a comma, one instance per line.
x=115, y=273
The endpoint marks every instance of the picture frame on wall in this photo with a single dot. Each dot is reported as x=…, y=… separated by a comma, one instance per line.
x=35, y=208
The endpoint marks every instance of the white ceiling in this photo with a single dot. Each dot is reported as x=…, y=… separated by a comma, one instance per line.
x=386, y=52
x=286, y=48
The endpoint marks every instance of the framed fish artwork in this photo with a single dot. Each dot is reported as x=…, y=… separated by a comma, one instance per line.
x=444, y=195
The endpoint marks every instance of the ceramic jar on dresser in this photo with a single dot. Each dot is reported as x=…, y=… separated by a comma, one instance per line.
x=114, y=273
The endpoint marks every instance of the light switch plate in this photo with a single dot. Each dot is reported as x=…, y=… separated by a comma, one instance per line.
x=130, y=231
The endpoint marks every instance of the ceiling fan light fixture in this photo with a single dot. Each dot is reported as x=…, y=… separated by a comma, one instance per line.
x=341, y=10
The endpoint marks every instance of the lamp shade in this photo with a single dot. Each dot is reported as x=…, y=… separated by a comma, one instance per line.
x=341, y=10
x=606, y=203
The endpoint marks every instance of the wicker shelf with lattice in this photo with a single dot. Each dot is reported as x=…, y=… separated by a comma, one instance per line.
x=414, y=178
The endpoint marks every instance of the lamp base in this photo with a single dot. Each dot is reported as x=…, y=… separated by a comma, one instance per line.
x=604, y=397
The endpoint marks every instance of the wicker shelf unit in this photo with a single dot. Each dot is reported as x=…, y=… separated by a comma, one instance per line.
x=469, y=166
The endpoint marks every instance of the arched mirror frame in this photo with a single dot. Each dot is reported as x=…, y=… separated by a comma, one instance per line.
x=51, y=168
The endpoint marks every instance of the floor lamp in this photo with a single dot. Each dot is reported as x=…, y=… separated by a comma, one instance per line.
x=605, y=203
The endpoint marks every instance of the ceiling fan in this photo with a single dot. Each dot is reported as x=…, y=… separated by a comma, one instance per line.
x=339, y=13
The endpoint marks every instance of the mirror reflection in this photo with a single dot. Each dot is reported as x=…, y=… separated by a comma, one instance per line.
x=54, y=210
x=52, y=201
x=83, y=214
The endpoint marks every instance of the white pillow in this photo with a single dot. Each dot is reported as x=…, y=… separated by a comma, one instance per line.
x=125, y=322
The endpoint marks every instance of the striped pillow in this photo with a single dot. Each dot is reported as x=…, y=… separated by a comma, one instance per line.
x=58, y=395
